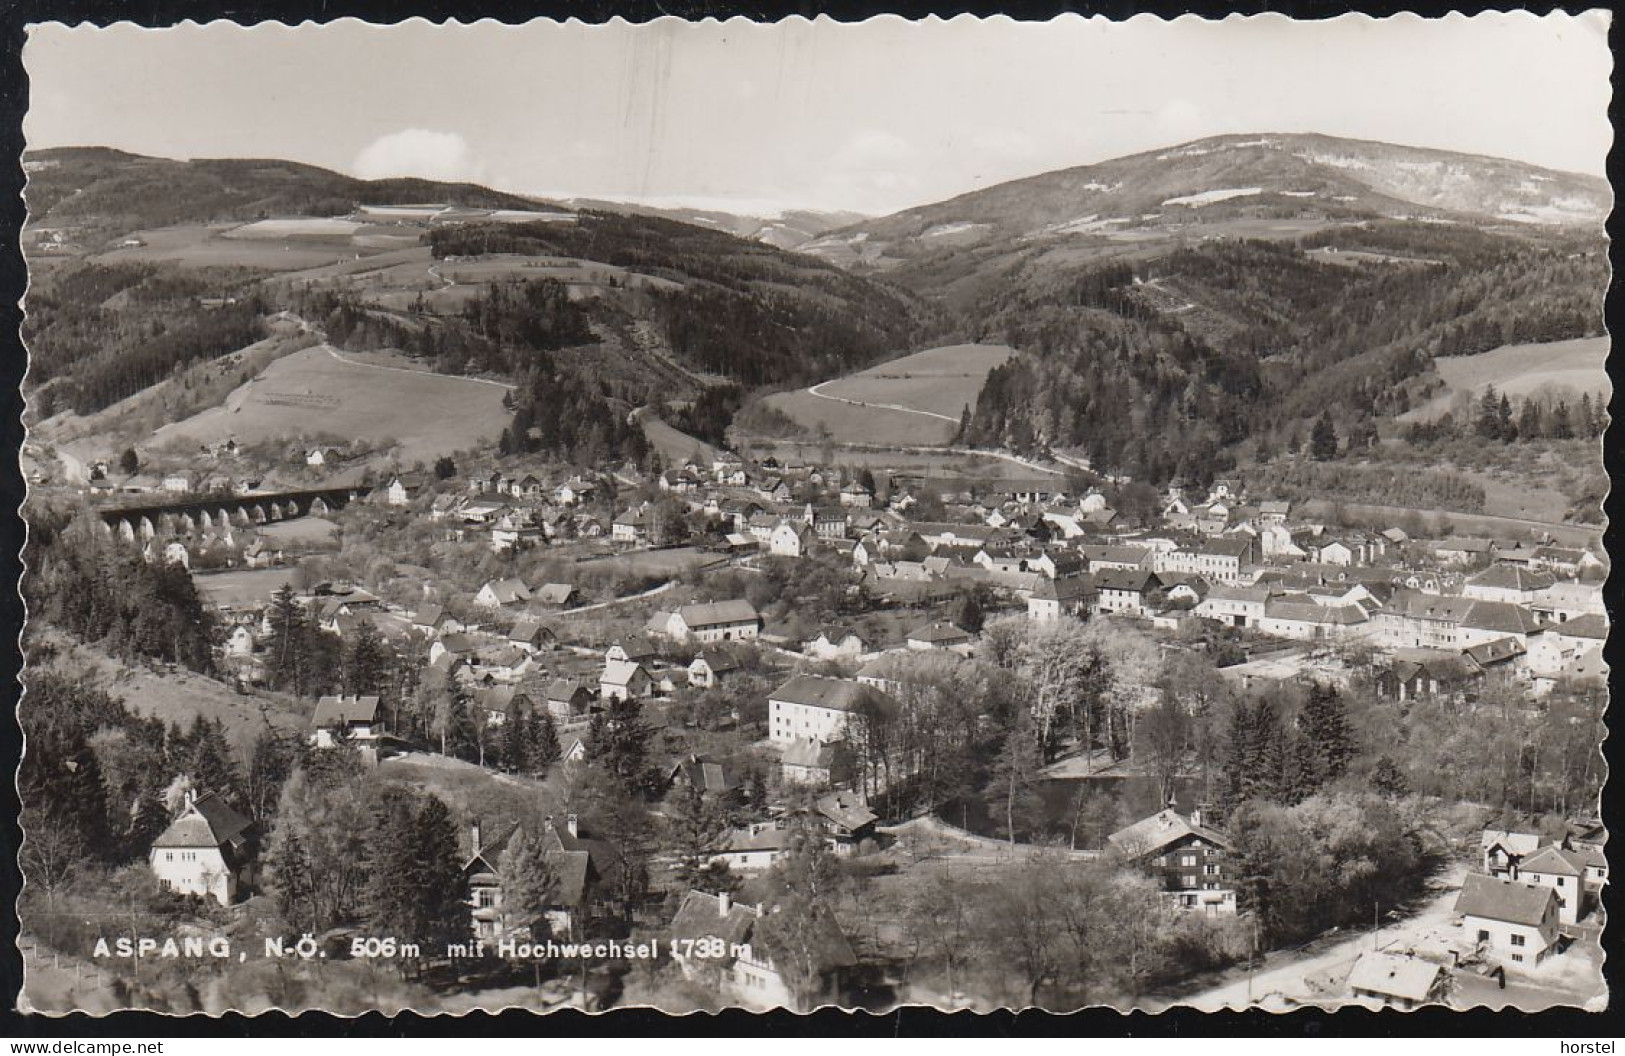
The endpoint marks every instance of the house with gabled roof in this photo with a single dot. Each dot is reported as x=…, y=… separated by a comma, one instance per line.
x=1187, y=857
x=347, y=719
x=567, y=699
x=834, y=643
x=1398, y=981
x=811, y=706
x=1562, y=870
x=711, y=666
x=1052, y=599
x=1503, y=849
x=1513, y=921
x=745, y=973
x=585, y=869
x=716, y=621
x=496, y=593
x=205, y=851
x=1507, y=582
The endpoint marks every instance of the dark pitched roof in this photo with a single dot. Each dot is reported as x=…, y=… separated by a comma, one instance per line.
x=208, y=822
x=716, y=613
x=837, y=694
x=1506, y=900
x=333, y=711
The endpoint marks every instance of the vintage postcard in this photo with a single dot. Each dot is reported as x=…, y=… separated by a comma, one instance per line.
x=690, y=515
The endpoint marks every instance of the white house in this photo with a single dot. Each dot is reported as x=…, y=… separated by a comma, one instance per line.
x=717, y=621
x=834, y=643
x=791, y=539
x=623, y=679
x=810, y=706
x=1513, y=921
x=711, y=666
x=204, y=851
x=1564, y=872
x=1054, y=598
x=499, y=592
x=745, y=973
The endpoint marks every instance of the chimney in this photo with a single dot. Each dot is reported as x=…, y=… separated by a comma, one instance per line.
x=474, y=836
x=1196, y=816
x=570, y=823
x=725, y=903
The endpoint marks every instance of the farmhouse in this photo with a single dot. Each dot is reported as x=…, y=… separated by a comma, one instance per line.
x=205, y=851
x=555, y=595
x=834, y=643
x=717, y=621
x=940, y=634
x=1503, y=850
x=1124, y=591
x=402, y=490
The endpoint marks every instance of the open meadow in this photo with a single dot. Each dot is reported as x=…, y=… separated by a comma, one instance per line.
x=913, y=400
x=215, y=246
x=1575, y=367
x=319, y=391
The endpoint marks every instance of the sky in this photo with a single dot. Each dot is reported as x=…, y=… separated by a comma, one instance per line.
x=872, y=117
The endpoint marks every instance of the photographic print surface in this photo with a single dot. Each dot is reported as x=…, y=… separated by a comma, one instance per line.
x=972, y=514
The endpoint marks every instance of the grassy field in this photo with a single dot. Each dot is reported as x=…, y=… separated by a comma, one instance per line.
x=656, y=562
x=202, y=245
x=869, y=425
x=317, y=392
x=300, y=532
x=1575, y=366
x=883, y=405
x=243, y=587
x=939, y=380
x=675, y=446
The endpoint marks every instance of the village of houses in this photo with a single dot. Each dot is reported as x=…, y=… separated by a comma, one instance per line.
x=1438, y=617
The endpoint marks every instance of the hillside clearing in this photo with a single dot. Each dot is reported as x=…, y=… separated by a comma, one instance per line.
x=913, y=400
x=1518, y=370
x=318, y=392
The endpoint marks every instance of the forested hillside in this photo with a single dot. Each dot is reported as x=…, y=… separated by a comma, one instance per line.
x=747, y=311
x=1155, y=367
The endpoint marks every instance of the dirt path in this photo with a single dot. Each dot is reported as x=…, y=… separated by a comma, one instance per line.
x=813, y=391
x=1286, y=974
x=336, y=354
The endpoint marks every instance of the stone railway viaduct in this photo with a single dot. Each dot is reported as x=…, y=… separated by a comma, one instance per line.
x=200, y=512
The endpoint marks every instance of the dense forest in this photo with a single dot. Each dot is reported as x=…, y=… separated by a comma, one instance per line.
x=1154, y=370
x=97, y=333
x=746, y=310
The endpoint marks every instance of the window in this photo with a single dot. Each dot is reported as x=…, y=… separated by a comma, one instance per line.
x=1210, y=870
x=1188, y=881
x=1560, y=881
x=1187, y=859
x=1518, y=957
x=1483, y=936
x=1517, y=940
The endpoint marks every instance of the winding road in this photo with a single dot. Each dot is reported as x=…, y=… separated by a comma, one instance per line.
x=813, y=391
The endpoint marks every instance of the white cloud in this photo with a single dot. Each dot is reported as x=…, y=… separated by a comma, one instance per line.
x=419, y=152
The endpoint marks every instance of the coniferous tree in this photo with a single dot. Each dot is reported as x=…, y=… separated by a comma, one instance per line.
x=1323, y=439
x=287, y=648
x=515, y=737
x=543, y=750
x=1327, y=737
x=366, y=662
x=1388, y=780
x=620, y=744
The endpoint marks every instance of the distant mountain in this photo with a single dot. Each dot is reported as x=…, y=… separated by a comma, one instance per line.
x=786, y=230
x=1172, y=307
x=1237, y=185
